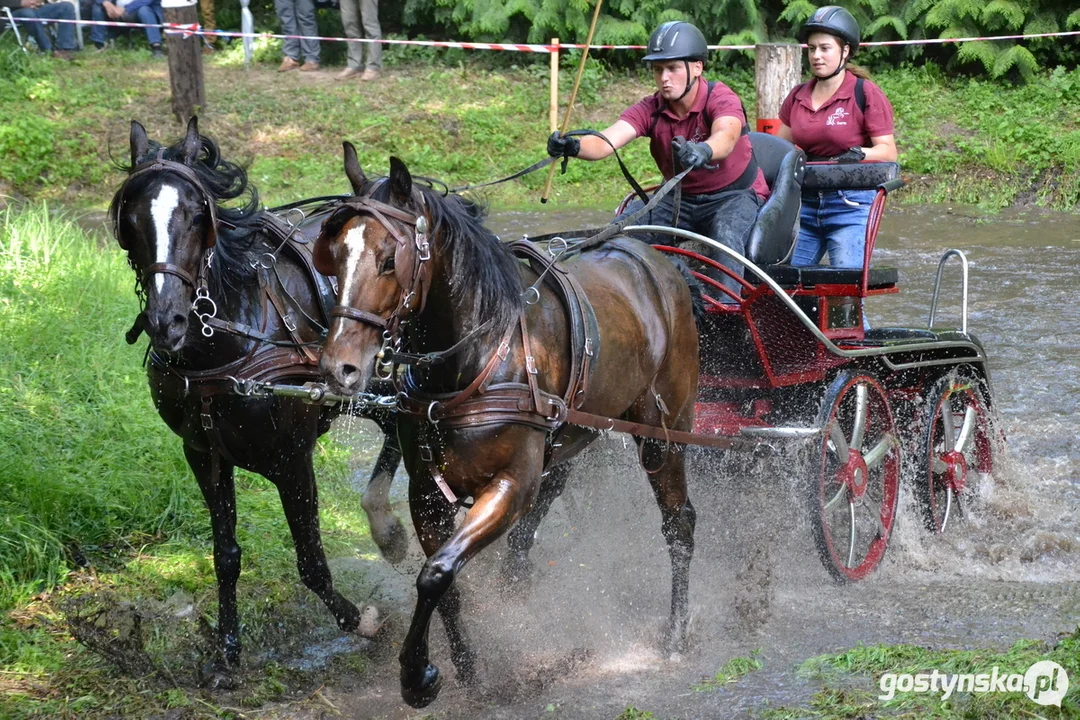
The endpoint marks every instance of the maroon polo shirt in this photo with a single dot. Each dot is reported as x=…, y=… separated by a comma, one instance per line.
x=838, y=124
x=723, y=102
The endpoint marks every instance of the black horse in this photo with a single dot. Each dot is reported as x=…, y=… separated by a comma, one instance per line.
x=230, y=296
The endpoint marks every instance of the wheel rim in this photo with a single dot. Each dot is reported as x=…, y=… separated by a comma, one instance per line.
x=958, y=441
x=859, y=479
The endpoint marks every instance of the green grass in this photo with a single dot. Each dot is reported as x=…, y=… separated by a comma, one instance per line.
x=848, y=692
x=89, y=472
x=961, y=140
x=731, y=671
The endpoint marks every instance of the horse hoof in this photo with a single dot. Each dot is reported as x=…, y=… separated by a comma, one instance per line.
x=215, y=675
x=674, y=642
x=370, y=622
x=393, y=545
x=423, y=693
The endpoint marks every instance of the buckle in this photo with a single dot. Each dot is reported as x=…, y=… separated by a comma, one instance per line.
x=530, y=364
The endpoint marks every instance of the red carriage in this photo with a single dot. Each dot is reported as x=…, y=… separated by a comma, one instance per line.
x=788, y=359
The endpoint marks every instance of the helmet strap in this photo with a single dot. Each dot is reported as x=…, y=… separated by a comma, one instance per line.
x=841, y=65
x=689, y=82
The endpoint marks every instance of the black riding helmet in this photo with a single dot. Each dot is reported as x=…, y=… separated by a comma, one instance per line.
x=833, y=20
x=677, y=40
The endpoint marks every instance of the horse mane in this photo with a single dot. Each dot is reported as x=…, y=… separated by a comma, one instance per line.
x=224, y=181
x=484, y=275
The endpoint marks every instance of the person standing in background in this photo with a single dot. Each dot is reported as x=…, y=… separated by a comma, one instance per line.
x=298, y=18
x=354, y=15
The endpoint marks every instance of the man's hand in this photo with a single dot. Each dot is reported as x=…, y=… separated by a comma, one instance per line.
x=560, y=146
x=692, y=154
x=852, y=155
x=31, y=4
x=113, y=11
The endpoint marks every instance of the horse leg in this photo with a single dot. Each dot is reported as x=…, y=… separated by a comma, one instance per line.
x=522, y=536
x=666, y=467
x=295, y=482
x=386, y=530
x=497, y=507
x=215, y=477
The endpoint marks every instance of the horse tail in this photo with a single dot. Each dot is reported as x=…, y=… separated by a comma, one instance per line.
x=696, y=294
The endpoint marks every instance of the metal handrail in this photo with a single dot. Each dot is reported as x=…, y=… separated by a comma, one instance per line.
x=964, y=288
x=782, y=295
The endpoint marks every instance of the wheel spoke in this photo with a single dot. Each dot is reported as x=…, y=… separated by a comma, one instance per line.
x=963, y=440
x=840, y=445
x=835, y=500
x=851, y=536
x=948, y=508
x=879, y=451
x=859, y=428
x=947, y=424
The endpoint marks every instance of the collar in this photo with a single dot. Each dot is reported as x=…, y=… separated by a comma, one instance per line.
x=845, y=91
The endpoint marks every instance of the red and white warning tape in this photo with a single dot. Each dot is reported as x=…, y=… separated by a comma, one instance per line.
x=187, y=31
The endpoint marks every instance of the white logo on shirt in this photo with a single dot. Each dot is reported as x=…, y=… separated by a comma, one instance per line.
x=837, y=118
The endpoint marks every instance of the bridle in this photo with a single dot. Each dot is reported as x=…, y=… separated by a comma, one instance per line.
x=412, y=296
x=198, y=283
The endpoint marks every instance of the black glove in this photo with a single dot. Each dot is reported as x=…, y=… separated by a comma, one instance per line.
x=692, y=154
x=564, y=147
x=853, y=155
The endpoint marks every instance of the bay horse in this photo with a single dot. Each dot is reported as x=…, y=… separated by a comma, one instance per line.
x=229, y=296
x=497, y=362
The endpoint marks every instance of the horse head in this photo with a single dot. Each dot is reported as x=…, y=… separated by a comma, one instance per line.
x=166, y=220
x=378, y=247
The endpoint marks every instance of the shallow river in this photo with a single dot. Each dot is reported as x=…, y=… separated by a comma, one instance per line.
x=583, y=637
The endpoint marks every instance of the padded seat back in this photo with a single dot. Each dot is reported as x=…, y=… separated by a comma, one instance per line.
x=783, y=165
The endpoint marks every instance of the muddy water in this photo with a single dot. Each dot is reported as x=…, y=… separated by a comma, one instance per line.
x=581, y=637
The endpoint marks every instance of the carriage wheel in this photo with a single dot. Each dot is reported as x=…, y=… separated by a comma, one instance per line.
x=957, y=440
x=854, y=498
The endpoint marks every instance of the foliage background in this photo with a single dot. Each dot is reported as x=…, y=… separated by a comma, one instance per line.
x=730, y=22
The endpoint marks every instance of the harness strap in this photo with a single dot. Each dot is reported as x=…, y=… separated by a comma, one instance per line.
x=165, y=268
x=622, y=166
x=520, y=173
x=345, y=311
x=494, y=363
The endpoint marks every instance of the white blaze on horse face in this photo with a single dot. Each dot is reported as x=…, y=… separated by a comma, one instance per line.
x=161, y=210
x=354, y=253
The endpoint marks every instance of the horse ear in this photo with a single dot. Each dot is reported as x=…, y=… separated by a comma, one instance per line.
x=352, y=168
x=192, y=142
x=140, y=146
x=400, y=182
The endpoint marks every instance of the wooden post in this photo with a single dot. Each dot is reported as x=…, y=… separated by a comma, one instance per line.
x=185, y=61
x=553, y=102
x=777, y=68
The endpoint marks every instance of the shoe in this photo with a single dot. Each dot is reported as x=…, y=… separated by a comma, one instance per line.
x=156, y=51
x=348, y=73
x=370, y=75
x=309, y=66
x=103, y=47
x=288, y=64
x=63, y=55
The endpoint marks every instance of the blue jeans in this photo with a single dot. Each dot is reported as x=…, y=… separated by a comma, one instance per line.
x=833, y=221
x=147, y=15
x=726, y=217
x=298, y=18
x=65, y=32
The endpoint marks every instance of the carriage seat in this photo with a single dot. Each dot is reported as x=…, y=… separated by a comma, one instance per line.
x=783, y=165
x=825, y=176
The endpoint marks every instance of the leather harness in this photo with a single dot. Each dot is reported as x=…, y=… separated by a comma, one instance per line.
x=483, y=403
x=269, y=360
